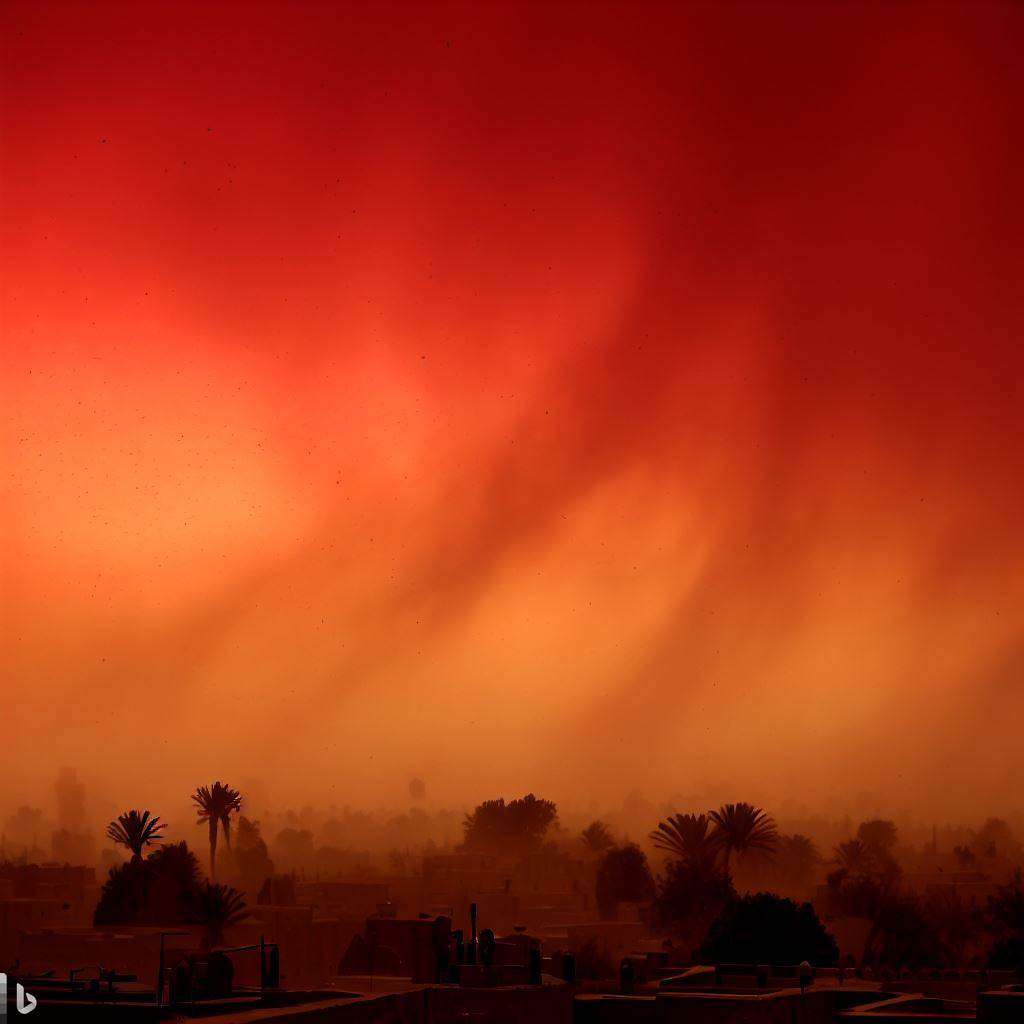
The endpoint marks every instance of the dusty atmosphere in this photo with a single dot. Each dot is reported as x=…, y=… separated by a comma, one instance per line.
x=436, y=403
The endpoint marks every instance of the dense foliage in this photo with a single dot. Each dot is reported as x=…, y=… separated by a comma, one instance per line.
x=623, y=876
x=514, y=827
x=765, y=928
x=165, y=889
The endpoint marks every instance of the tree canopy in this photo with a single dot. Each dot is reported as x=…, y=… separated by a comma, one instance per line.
x=765, y=928
x=623, y=876
x=515, y=827
x=597, y=837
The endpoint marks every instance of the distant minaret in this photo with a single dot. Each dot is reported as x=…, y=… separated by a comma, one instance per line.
x=935, y=842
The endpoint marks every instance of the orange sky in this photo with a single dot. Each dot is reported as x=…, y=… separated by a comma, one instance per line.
x=571, y=397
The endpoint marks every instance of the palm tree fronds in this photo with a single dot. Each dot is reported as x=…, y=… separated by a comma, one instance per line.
x=742, y=827
x=214, y=807
x=135, y=830
x=686, y=837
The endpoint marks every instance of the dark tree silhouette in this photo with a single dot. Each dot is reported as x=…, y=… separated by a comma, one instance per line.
x=248, y=864
x=691, y=895
x=1005, y=920
x=597, y=837
x=294, y=848
x=995, y=837
x=901, y=932
x=513, y=827
x=857, y=894
x=741, y=828
x=878, y=834
x=623, y=876
x=135, y=830
x=687, y=837
x=174, y=875
x=954, y=921
x=797, y=858
x=157, y=890
x=214, y=806
x=123, y=896
x=216, y=908
x=854, y=857
x=765, y=928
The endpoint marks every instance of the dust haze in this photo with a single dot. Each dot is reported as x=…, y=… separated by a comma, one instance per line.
x=656, y=461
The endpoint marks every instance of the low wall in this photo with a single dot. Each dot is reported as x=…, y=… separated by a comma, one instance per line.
x=780, y=1007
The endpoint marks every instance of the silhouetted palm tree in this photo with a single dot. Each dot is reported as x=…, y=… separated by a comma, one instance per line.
x=214, y=805
x=216, y=907
x=687, y=837
x=854, y=857
x=232, y=803
x=597, y=837
x=797, y=858
x=742, y=827
x=135, y=830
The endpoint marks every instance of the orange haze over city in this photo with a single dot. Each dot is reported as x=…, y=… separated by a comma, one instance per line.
x=579, y=398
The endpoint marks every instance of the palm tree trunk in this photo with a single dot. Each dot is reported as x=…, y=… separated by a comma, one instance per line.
x=213, y=849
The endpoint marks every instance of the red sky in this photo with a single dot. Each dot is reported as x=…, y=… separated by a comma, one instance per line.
x=571, y=397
